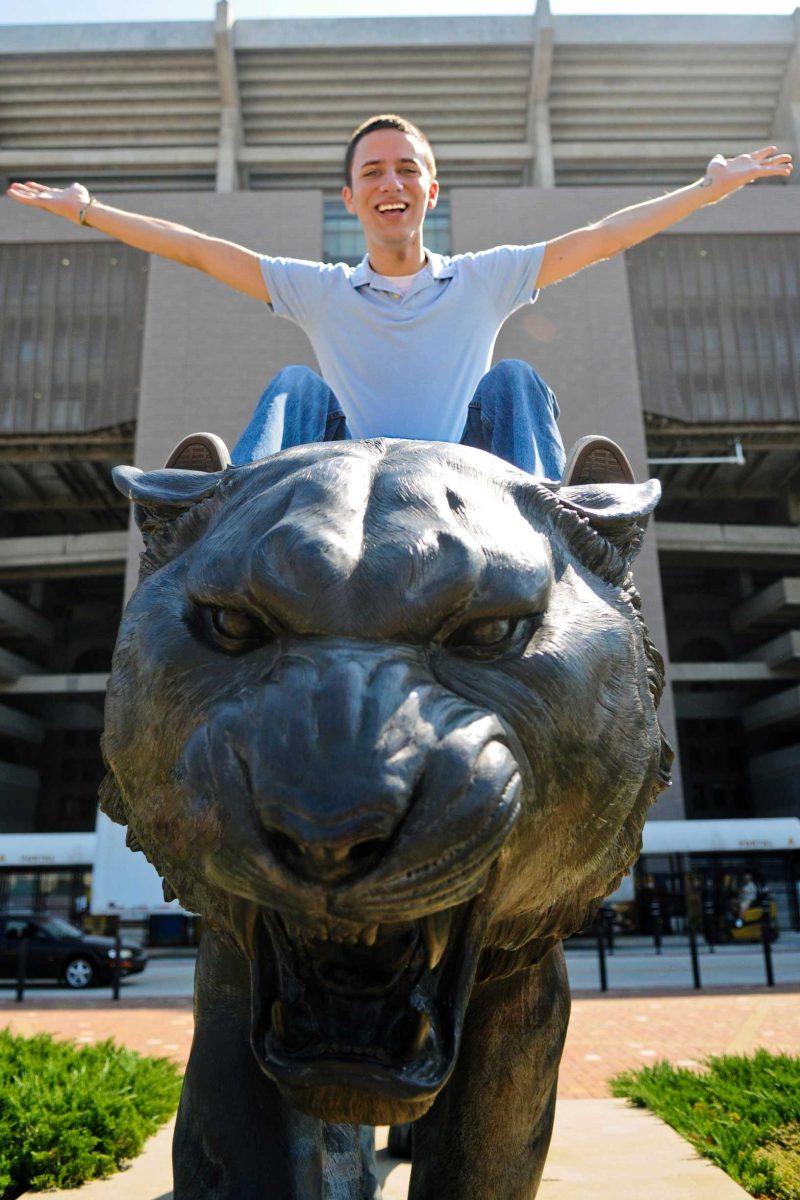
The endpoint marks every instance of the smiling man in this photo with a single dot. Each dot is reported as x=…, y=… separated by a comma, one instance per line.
x=405, y=339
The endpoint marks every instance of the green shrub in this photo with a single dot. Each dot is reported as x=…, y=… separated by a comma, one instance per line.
x=741, y=1112
x=70, y=1114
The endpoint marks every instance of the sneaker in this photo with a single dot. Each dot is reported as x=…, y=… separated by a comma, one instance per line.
x=199, y=452
x=596, y=460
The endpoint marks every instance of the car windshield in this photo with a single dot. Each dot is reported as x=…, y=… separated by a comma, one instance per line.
x=58, y=927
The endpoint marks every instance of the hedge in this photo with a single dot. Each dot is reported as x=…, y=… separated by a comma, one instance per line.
x=70, y=1114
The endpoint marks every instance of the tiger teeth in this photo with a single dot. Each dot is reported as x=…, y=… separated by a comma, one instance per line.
x=422, y=1029
x=436, y=931
x=343, y=937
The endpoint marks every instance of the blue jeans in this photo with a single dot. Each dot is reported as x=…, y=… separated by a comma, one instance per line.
x=513, y=414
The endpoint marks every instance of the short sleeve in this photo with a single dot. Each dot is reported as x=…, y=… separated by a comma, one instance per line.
x=296, y=287
x=509, y=274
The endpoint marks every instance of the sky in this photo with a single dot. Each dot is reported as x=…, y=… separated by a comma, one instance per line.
x=34, y=12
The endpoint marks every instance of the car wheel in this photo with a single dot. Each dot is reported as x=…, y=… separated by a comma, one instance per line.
x=78, y=973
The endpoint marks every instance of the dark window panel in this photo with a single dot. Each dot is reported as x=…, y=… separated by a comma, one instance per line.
x=71, y=325
x=717, y=325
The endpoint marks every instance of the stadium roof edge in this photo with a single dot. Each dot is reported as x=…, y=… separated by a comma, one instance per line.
x=599, y=30
x=107, y=37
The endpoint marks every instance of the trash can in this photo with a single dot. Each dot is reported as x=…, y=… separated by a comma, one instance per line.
x=167, y=929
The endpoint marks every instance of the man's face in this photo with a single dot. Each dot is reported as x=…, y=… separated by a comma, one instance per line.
x=392, y=188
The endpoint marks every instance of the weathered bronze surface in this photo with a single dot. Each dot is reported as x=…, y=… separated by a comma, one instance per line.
x=385, y=714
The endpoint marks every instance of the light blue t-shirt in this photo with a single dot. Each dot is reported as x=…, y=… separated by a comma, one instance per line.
x=405, y=365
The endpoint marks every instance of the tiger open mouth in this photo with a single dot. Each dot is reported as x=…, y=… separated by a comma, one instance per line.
x=377, y=1010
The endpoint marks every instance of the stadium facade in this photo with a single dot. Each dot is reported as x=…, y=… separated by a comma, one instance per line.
x=686, y=349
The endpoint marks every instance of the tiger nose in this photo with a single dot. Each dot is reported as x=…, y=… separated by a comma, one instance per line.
x=327, y=862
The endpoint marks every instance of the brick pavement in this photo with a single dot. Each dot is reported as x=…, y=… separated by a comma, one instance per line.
x=621, y=1031
x=607, y=1034
x=159, y=1026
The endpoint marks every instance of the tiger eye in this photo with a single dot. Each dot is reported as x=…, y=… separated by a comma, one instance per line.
x=487, y=633
x=482, y=634
x=234, y=624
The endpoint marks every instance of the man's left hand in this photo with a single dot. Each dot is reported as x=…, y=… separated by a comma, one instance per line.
x=726, y=175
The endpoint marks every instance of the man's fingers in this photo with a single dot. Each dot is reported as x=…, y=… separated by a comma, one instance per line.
x=30, y=188
x=22, y=197
x=764, y=150
x=26, y=194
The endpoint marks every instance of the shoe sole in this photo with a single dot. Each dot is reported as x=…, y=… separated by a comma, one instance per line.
x=199, y=452
x=597, y=460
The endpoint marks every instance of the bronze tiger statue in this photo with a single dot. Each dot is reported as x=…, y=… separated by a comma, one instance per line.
x=384, y=713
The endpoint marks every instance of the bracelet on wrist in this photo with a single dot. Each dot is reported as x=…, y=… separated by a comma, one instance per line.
x=83, y=210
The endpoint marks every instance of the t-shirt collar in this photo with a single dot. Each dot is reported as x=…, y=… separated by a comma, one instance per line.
x=435, y=265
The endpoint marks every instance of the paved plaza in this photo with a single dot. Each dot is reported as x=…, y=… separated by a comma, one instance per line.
x=608, y=1033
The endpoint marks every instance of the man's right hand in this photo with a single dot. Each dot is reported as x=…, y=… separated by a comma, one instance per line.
x=235, y=266
x=62, y=202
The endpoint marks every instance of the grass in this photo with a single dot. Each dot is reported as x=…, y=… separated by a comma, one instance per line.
x=742, y=1112
x=70, y=1114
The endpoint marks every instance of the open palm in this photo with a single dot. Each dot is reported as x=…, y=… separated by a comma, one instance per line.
x=63, y=202
x=728, y=174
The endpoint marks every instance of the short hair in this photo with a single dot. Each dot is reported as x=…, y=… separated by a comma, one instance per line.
x=386, y=121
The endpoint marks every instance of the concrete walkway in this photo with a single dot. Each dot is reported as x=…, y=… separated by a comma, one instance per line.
x=605, y=1150
x=601, y=1149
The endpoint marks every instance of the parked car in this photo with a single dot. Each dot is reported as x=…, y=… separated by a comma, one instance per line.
x=60, y=951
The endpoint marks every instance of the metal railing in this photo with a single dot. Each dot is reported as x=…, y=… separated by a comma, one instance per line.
x=603, y=936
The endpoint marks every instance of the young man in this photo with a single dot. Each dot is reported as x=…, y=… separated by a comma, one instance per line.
x=405, y=339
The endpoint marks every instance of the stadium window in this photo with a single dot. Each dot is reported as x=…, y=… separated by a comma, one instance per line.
x=717, y=325
x=343, y=241
x=71, y=329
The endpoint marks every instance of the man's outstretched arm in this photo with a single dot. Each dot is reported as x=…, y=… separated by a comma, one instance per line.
x=573, y=251
x=232, y=265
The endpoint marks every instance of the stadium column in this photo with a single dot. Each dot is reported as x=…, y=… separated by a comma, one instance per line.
x=541, y=171
x=786, y=127
x=230, y=122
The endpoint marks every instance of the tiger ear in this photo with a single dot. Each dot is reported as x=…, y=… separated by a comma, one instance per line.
x=618, y=511
x=605, y=503
x=158, y=496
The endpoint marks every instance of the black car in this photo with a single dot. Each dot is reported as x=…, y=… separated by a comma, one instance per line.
x=60, y=951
